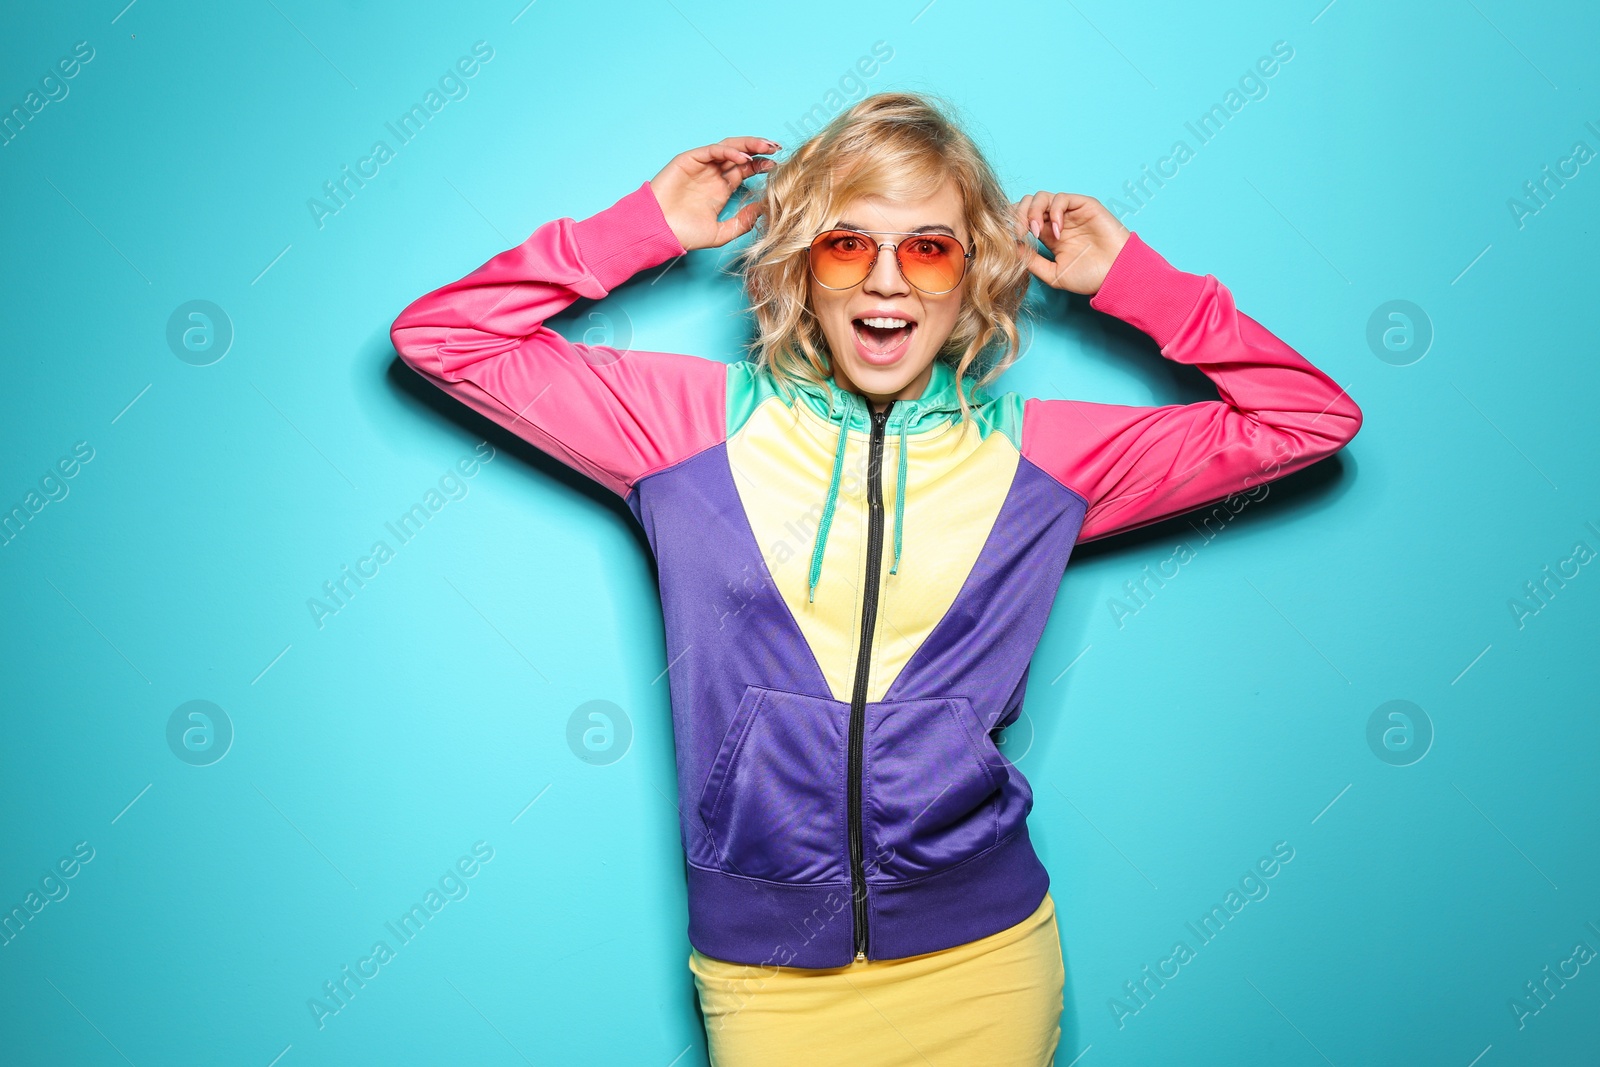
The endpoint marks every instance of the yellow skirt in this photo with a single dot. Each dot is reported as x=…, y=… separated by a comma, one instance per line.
x=996, y=1000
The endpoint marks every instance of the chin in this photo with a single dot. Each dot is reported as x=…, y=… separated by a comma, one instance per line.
x=891, y=379
x=880, y=379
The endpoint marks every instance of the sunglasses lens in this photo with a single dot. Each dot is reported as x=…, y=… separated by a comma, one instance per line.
x=841, y=258
x=932, y=262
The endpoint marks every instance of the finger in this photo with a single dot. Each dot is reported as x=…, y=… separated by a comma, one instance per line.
x=1037, y=204
x=1027, y=230
x=718, y=153
x=1024, y=219
x=1021, y=213
x=1056, y=212
x=1052, y=271
x=736, y=173
x=1040, y=267
x=752, y=145
x=740, y=222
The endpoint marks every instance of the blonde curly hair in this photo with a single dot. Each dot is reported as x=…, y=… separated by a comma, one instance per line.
x=902, y=145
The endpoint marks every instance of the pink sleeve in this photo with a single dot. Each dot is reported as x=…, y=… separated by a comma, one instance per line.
x=615, y=415
x=1137, y=465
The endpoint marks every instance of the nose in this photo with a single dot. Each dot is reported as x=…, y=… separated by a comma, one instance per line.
x=885, y=278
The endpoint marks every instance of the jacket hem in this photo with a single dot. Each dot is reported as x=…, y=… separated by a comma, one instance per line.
x=766, y=924
x=991, y=892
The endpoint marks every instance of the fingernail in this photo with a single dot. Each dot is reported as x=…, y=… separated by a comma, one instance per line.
x=1055, y=225
x=1033, y=227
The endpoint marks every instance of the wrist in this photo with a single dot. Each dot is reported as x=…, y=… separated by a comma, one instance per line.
x=1146, y=291
x=1108, y=258
x=679, y=230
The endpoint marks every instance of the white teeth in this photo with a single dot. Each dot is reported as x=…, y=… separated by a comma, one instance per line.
x=886, y=324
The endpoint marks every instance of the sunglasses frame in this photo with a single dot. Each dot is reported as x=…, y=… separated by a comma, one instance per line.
x=878, y=251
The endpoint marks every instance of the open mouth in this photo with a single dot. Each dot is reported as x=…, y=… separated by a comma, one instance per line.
x=883, y=336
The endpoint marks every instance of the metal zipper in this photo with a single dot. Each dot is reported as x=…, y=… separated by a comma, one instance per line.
x=858, y=700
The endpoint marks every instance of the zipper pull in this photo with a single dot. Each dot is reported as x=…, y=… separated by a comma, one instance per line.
x=861, y=957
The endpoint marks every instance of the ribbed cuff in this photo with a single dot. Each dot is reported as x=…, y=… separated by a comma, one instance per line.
x=1146, y=291
x=631, y=235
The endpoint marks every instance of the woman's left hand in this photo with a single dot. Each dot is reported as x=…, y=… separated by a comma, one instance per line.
x=1083, y=236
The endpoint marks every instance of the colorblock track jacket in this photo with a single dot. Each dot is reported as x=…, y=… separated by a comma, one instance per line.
x=851, y=599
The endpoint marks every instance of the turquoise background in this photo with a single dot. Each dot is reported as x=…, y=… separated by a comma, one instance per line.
x=1168, y=753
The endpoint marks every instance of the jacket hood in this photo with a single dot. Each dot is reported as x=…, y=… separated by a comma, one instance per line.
x=938, y=405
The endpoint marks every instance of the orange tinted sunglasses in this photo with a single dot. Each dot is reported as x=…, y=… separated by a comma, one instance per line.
x=933, y=262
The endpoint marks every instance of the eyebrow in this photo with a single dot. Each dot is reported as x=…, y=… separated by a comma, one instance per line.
x=937, y=227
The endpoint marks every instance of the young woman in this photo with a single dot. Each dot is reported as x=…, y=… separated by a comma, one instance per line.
x=858, y=546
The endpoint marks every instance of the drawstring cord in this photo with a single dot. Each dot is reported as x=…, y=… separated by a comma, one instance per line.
x=900, y=488
x=832, y=498
x=833, y=494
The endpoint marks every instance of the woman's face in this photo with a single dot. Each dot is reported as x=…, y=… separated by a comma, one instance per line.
x=895, y=363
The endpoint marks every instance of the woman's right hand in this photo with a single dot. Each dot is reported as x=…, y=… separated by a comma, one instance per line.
x=696, y=185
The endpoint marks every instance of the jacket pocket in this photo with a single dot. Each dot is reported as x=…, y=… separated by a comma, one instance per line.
x=773, y=804
x=932, y=787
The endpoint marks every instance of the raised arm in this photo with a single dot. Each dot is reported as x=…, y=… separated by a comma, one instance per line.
x=1138, y=465
x=611, y=414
